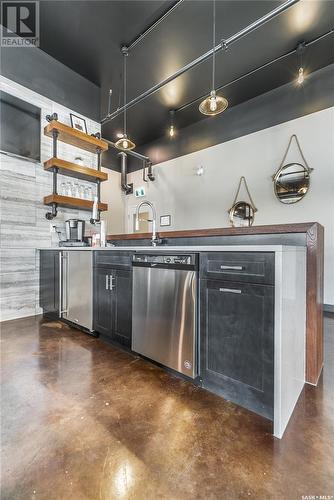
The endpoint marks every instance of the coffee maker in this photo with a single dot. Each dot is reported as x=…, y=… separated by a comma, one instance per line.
x=75, y=231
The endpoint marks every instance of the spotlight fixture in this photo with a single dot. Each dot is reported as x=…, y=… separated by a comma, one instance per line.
x=300, y=52
x=213, y=104
x=124, y=143
x=300, y=78
x=171, y=125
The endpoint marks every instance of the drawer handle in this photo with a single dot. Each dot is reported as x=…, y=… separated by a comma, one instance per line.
x=112, y=282
x=231, y=290
x=233, y=268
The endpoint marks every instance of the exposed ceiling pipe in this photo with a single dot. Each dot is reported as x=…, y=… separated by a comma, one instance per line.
x=127, y=188
x=141, y=37
x=224, y=44
x=251, y=72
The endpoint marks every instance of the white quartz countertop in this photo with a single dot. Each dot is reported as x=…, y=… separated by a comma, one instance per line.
x=183, y=248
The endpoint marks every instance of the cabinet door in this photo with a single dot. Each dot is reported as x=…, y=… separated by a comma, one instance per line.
x=49, y=283
x=102, y=303
x=237, y=343
x=122, y=306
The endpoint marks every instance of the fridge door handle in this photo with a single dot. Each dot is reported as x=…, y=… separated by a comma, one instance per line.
x=107, y=282
x=62, y=284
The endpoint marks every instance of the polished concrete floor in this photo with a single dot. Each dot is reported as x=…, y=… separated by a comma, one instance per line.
x=83, y=420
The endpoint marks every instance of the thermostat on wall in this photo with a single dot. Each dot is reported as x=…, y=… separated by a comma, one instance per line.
x=140, y=191
x=165, y=220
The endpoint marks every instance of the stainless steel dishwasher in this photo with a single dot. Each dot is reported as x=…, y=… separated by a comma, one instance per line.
x=164, y=310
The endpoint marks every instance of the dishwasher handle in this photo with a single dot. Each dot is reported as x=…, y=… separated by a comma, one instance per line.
x=161, y=265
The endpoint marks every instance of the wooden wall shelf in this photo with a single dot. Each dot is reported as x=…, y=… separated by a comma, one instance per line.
x=75, y=170
x=68, y=202
x=74, y=137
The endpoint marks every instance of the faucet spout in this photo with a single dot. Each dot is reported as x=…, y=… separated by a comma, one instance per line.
x=154, y=239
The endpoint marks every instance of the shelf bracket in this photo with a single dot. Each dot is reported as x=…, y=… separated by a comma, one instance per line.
x=52, y=117
x=51, y=215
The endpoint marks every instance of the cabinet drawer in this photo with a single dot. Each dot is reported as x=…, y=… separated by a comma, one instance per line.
x=247, y=267
x=113, y=258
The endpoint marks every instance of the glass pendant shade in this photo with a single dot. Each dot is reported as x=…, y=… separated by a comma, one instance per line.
x=213, y=104
x=125, y=144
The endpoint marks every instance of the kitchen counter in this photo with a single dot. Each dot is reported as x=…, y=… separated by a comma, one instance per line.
x=309, y=235
x=261, y=304
x=221, y=231
x=183, y=248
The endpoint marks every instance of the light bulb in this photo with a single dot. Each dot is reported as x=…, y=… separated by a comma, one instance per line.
x=171, y=131
x=300, y=78
x=213, y=103
x=125, y=144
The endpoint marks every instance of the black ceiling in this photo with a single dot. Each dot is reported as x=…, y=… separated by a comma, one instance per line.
x=87, y=35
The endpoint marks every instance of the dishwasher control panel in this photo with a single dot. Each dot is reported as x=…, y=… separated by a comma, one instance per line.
x=165, y=259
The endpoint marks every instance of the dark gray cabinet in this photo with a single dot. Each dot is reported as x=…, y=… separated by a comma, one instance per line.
x=237, y=341
x=122, y=306
x=113, y=304
x=102, y=302
x=49, y=283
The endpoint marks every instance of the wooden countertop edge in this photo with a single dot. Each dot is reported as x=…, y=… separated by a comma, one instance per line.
x=302, y=227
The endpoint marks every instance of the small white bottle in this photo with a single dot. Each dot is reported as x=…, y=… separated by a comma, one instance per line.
x=54, y=237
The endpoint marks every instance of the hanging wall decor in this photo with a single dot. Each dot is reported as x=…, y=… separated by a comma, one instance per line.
x=292, y=180
x=242, y=213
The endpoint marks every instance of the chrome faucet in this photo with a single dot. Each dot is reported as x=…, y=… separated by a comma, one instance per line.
x=154, y=239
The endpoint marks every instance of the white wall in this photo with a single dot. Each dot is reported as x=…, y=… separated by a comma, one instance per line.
x=203, y=202
x=112, y=194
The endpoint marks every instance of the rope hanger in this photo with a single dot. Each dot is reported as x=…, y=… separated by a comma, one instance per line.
x=309, y=169
x=243, y=179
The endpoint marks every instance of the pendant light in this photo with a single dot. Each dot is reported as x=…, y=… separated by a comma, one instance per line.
x=124, y=143
x=171, y=124
x=213, y=104
x=300, y=51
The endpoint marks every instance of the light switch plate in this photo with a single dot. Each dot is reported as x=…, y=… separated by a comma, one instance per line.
x=165, y=220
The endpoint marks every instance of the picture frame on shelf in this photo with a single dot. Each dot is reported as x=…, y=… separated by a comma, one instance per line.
x=78, y=123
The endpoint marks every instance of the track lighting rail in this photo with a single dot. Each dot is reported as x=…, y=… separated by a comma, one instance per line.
x=140, y=38
x=223, y=45
x=258, y=68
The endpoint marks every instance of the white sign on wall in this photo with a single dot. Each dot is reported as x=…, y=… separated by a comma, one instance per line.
x=139, y=192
